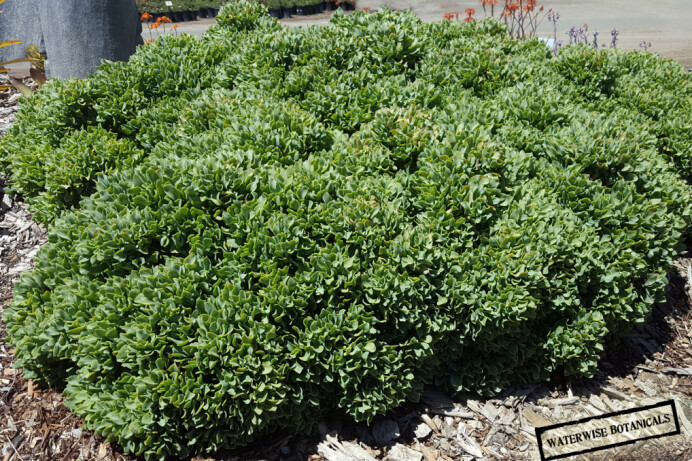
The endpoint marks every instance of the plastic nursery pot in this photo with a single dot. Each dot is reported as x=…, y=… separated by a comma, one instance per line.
x=80, y=34
x=329, y=6
x=275, y=13
x=203, y=13
x=285, y=13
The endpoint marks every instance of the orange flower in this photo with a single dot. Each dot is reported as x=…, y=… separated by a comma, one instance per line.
x=145, y=16
x=154, y=25
x=470, y=11
x=513, y=7
x=164, y=19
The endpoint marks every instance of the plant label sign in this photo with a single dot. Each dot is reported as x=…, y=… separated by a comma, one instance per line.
x=608, y=430
x=169, y=3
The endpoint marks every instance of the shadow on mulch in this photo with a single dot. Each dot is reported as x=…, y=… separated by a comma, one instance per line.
x=638, y=347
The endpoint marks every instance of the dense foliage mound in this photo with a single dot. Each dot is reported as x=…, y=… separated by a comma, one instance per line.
x=251, y=229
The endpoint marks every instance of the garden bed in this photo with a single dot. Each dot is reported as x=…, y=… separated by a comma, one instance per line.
x=304, y=221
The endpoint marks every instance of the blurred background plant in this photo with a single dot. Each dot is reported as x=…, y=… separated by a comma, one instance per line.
x=522, y=17
x=38, y=64
x=159, y=6
x=4, y=70
x=160, y=22
x=458, y=15
x=209, y=8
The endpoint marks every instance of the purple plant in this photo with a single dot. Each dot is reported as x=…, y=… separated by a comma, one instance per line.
x=553, y=16
x=583, y=34
x=579, y=35
x=614, y=42
x=645, y=45
x=572, y=33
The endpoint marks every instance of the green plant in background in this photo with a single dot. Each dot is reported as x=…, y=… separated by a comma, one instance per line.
x=252, y=229
x=156, y=6
x=37, y=70
x=273, y=4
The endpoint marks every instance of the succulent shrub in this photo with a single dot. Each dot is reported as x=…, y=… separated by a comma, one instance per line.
x=252, y=229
